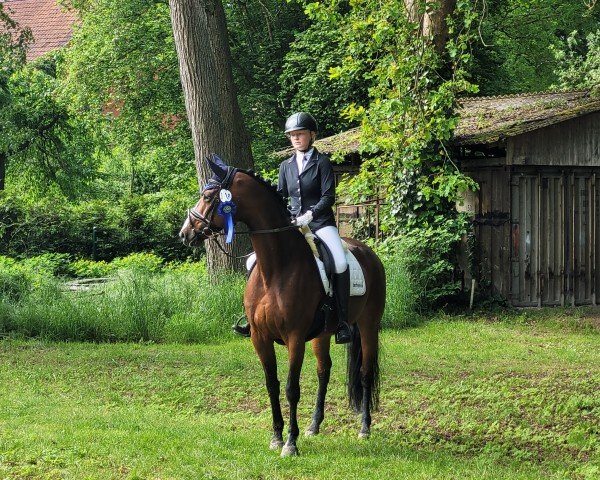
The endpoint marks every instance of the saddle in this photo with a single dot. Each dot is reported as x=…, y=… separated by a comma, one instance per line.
x=325, y=265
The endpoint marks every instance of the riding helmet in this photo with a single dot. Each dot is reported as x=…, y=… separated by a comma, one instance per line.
x=300, y=121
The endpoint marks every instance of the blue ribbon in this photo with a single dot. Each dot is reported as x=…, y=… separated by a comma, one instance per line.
x=227, y=211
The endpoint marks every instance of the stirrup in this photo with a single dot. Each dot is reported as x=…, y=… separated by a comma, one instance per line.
x=239, y=329
x=343, y=333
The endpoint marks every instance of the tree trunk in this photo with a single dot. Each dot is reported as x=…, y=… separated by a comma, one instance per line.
x=213, y=111
x=432, y=19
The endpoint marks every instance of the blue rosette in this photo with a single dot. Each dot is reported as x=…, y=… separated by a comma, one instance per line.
x=227, y=211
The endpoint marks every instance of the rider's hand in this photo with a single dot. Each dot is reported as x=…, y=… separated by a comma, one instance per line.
x=304, y=219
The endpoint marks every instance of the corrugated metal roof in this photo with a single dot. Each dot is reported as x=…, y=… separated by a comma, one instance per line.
x=485, y=120
x=50, y=23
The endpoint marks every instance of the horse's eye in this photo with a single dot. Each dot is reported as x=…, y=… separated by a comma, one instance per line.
x=206, y=198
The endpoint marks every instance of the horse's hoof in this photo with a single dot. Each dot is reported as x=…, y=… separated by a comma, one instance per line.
x=276, y=443
x=289, y=451
x=364, y=434
x=311, y=431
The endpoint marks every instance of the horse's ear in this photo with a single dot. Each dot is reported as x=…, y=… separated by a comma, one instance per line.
x=217, y=166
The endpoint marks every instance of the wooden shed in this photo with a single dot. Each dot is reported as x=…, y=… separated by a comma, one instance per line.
x=536, y=216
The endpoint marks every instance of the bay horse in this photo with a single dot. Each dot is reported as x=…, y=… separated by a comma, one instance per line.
x=284, y=292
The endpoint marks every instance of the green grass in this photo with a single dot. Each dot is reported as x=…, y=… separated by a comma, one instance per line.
x=463, y=398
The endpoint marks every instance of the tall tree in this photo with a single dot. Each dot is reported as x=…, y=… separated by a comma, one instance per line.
x=517, y=38
x=579, y=59
x=212, y=108
x=261, y=33
x=13, y=46
x=431, y=17
x=41, y=146
x=121, y=74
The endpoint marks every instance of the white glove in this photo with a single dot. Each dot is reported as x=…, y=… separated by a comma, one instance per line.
x=304, y=219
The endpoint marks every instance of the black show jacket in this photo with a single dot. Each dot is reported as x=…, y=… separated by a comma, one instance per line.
x=313, y=189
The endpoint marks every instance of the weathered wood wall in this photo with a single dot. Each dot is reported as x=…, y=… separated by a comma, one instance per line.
x=574, y=142
x=490, y=208
x=537, y=215
x=554, y=230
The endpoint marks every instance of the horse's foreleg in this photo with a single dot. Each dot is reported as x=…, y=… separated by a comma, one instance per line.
x=266, y=353
x=292, y=391
x=320, y=348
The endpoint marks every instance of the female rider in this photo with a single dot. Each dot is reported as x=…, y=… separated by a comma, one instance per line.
x=306, y=178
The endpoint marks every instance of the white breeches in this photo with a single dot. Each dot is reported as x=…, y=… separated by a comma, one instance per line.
x=331, y=237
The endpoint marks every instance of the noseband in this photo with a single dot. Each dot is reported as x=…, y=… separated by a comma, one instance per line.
x=209, y=228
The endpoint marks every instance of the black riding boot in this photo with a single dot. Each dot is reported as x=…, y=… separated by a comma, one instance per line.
x=343, y=333
x=243, y=330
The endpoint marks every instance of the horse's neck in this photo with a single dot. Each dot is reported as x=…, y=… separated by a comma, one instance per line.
x=274, y=251
x=278, y=249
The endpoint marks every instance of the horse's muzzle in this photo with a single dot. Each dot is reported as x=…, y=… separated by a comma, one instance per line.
x=189, y=238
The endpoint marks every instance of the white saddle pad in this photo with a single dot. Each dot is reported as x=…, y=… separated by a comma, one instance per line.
x=358, y=286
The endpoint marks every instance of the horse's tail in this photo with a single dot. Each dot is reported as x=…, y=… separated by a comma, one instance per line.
x=356, y=382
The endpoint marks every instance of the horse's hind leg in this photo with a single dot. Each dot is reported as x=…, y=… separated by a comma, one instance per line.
x=266, y=352
x=369, y=378
x=296, y=349
x=320, y=348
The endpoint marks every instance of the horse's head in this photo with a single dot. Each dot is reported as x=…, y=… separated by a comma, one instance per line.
x=208, y=217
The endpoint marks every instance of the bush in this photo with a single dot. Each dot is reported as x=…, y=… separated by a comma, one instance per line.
x=147, y=262
x=90, y=269
x=427, y=259
x=140, y=223
x=49, y=264
x=19, y=278
x=15, y=281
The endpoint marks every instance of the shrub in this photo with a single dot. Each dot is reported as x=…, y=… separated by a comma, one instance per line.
x=139, y=261
x=90, y=269
x=141, y=223
x=49, y=264
x=15, y=281
x=428, y=259
x=18, y=279
x=187, y=267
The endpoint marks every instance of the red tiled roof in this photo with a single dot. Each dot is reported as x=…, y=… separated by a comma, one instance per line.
x=50, y=23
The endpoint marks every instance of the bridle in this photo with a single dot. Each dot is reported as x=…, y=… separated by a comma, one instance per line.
x=212, y=231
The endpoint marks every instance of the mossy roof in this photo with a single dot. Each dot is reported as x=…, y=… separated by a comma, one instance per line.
x=487, y=120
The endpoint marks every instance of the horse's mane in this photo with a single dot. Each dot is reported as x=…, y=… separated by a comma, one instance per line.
x=272, y=188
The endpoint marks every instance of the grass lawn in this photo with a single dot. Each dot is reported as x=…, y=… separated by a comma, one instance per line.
x=461, y=398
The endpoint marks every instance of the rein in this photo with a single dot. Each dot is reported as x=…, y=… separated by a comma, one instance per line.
x=249, y=232
x=270, y=230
